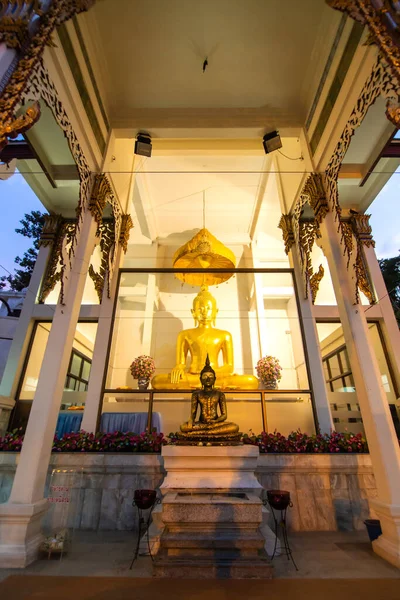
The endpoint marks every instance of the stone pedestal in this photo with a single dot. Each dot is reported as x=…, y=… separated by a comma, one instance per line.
x=214, y=468
x=20, y=533
x=212, y=535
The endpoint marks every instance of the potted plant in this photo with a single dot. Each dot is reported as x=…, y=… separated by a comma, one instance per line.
x=269, y=371
x=142, y=369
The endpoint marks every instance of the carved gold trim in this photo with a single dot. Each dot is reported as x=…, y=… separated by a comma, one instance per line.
x=107, y=248
x=19, y=125
x=58, y=260
x=308, y=232
x=126, y=226
x=383, y=25
x=101, y=192
x=315, y=280
x=362, y=229
x=50, y=230
x=286, y=225
x=54, y=13
x=315, y=192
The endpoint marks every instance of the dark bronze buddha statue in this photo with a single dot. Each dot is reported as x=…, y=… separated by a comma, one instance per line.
x=211, y=424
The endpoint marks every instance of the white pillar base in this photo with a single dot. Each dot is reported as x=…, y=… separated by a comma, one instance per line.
x=20, y=533
x=388, y=544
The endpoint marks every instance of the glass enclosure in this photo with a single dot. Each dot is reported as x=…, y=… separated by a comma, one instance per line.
x=255, y=314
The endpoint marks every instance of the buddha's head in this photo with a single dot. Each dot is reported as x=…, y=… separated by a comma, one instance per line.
x=207, y=375
x=204, y=307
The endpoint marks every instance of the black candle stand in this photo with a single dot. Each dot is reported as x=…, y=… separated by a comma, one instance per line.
x=144, y=500
x=279, y=501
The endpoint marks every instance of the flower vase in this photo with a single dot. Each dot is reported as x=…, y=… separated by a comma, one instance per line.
x=270, y=384
x=143, y=383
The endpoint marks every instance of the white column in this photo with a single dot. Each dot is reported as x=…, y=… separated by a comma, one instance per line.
x=20, y=518
x=381, y=436
x=6, y=57
x=312, y=347
x=390, y=328
x=94, y=393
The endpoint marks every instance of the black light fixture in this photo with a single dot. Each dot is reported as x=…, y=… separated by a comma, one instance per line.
x=272, y=141
x=143, y=144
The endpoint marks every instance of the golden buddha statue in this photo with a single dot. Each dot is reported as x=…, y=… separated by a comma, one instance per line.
x=201, y=341
x=210, y=425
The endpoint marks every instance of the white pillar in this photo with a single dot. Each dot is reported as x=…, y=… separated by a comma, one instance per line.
x=7, y=55
x=20, y=517
x=381, y=436
x=390, y=328
x=94, y=393
x=312, y=347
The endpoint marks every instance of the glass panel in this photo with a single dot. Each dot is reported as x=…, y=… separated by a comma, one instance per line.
x=76, y=363
x=289, y=412
x=31, y=376
x=279, y=327
x=334, y=366
x=86, y=370
x=73, y=395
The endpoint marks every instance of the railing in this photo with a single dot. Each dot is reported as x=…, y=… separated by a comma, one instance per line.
x=263, y=396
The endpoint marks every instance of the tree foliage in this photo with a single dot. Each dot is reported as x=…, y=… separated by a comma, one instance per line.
x=390, y=268
x=32, y=225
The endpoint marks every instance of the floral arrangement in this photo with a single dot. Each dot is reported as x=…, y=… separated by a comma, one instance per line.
x=82, y=441
x=148, y=441
x=143, y=367
x=152, y=442
x=12, y=441
x=298, y=442
x=269, y=369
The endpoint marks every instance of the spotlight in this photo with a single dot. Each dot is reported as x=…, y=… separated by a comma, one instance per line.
x=143, y=144
x=271, y=142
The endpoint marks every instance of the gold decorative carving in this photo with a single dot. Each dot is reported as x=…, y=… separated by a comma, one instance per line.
x=363, y=280
x=380, y=82
x=362, y=229
x=107, y=248
x=126, y=226
x=58, y=260
x=41, y=19
x=383, y=22
x=314, y=191
x=50, y=229
x=308, y=231
x=315, y=280
x=101, y=192
x=19, y=125
x=286, y=225
x=41, y=87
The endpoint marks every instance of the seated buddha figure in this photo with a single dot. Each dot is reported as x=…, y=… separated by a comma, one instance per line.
x=203, y=340
x=210, y=424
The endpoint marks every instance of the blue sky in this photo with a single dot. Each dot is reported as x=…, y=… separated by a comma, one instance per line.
x=17, y=198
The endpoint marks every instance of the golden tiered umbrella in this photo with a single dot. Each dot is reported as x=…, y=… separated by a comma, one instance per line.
x=204, y=251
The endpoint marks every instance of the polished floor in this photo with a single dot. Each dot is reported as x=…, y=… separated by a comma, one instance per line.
x=319, y=555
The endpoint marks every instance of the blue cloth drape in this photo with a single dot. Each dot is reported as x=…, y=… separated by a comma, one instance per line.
x=133, y=422
x=70, y=422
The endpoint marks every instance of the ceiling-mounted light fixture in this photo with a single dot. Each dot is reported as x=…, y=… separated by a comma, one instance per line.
x=272, y=141
x=143, y=145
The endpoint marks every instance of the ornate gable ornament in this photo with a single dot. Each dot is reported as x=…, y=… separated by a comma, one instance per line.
x=382, y=17
x=27, y=26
